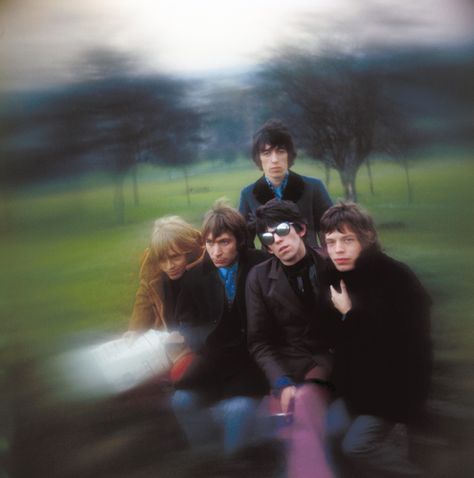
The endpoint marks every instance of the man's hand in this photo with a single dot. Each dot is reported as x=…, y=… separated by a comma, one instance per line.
x=175, y=338
x=131, y=336
x=341, y=300
x=287, y=398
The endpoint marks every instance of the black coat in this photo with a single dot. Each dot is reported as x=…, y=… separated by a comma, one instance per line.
x=283, y=338
x=204, y=317
x=383, y=355
x=308, y=193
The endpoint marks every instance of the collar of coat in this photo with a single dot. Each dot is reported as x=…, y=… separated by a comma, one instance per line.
x=281, y=290
x=276, y=267
x=293, y=191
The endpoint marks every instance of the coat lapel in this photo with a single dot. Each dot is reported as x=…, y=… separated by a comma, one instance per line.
x=213, y=289
x=293, y=191
x=281, y=291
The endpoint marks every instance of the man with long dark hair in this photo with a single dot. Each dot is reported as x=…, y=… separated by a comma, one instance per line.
x=382, y=358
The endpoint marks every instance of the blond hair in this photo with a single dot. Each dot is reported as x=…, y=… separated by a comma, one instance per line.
x=172, y=234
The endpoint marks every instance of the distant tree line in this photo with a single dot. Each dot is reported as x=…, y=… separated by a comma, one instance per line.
x=342, y=108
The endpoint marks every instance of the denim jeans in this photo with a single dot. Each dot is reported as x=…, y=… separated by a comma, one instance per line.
x=365, y=445
x=228, y=423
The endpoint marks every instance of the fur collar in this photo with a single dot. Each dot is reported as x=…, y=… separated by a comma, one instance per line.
x=292, y=192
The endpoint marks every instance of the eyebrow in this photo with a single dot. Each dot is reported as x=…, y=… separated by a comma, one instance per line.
x=263, y=149
x=344, y=234
x=218, y=239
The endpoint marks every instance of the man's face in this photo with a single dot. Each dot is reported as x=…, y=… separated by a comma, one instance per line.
x=274, y=163
x=173, y=264
x=222, y=249
x=289, y=248
x=343, y=248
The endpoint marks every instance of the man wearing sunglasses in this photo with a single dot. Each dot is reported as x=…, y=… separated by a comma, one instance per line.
x=274, y=153
x=290, y=333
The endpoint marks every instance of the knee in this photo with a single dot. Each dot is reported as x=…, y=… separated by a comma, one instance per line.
x=338, y=421
x=184, y=401
x=356, y=448
x=240, y=407
x=365, y=437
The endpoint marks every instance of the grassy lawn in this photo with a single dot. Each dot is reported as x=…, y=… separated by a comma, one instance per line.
x=68, y=268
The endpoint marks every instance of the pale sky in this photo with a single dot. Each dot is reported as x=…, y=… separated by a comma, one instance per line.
x=42, y=40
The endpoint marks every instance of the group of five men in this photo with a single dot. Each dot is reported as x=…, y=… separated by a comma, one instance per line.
x=308, y=324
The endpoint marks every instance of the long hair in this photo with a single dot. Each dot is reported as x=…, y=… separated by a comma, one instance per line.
x=172, y=234
x=349, y=215
x=275, y=134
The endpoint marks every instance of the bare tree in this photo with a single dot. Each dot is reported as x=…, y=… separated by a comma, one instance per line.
x=334, y=105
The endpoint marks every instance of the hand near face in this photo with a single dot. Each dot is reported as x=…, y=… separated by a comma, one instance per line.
x=341, y=300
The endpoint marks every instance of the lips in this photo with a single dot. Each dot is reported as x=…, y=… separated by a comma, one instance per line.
x=283, y=249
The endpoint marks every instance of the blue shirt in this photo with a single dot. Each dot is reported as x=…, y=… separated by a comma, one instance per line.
x=278, y=190
x=228, y=276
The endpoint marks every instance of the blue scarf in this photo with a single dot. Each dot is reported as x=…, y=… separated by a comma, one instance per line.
x=228, y=276
x=278, y=190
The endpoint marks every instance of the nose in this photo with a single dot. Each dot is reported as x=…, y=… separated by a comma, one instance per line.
x=216, y=250
x=339, y=246
x=274, y=157
x=168, y=264
x=277, y=238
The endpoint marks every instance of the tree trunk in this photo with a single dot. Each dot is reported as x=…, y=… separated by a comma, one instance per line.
x=119, y=200
x=186, y=182
x=136, y=197
x=369, y=172
x=407, y=177
x=349, y=185
x=327, y=170
x=350, y=191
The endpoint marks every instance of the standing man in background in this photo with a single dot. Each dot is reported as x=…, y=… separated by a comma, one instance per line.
x=274, y=153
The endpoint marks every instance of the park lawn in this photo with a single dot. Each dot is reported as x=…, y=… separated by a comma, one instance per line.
x=69, y=268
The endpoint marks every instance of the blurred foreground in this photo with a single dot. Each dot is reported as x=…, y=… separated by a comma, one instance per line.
x=71, y=271
x=135, y=434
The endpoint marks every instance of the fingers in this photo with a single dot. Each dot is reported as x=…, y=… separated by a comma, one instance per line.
x=333, y=292
x=286, y=399
x=343, y=286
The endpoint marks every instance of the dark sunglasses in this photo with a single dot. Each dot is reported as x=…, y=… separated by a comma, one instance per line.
x=283, y=229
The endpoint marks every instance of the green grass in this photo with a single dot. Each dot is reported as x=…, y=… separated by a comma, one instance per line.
x=68, y=268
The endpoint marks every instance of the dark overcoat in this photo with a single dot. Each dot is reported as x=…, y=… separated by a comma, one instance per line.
x=383, y=355
x=283, y=337
x=308, y=193
x=202, y=310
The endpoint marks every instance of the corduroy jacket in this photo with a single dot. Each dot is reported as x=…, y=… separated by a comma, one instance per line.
x=148, y=309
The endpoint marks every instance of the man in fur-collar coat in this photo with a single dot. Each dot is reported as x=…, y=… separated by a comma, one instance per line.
x=383, y=354
x=274, y=153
